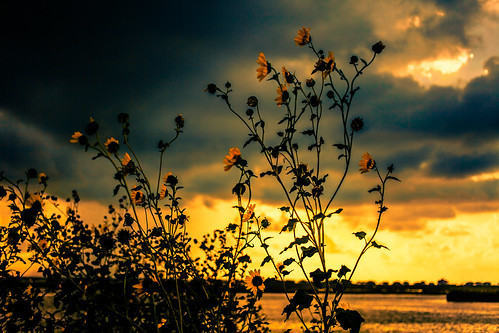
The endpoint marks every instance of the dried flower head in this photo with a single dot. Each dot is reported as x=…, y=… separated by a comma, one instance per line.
x=366, y=163
x=263, y=70
x=303, y=37
x=254, y=281
x=231, y=159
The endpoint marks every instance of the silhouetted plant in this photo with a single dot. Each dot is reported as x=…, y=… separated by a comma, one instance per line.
x=308, y=193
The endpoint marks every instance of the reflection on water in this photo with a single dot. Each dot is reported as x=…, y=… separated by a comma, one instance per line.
x=401, y=313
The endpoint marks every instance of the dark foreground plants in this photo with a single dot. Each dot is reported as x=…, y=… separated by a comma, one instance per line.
x=135, y=271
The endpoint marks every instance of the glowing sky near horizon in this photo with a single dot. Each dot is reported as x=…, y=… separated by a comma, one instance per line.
x=430, y=103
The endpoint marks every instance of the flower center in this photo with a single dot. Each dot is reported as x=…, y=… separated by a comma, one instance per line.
x=257, y=281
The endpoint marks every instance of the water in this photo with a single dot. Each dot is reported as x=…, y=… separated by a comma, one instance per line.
x=400, y=313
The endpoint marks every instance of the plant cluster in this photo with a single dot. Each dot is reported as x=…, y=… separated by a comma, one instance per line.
x=303, y=176
x=136, y=272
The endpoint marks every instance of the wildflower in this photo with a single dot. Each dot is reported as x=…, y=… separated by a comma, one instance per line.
x=77, y=137
x=252, y=101
x=378, y=47
x=329, y=64
x=282, y=95
x=357, y=124
x=112, y=145
x=125, y=160
x=137, y=197
x=123, y=117
x=366, y=163
x=43, y=244
x=354, y=60
x=231, y=159
x=163, y=192
x=317, y=191
x=92, y=127
x=303, y=37
x=179, y=121
x=42, y=178
x=287, y=75
x=34, y=202
x=124, y=236
x=254, y=281
x=248, y=214
x=310, y=82
x=263, y=70
x=170, y=179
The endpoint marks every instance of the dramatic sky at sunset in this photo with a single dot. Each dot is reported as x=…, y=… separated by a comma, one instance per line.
x=430, y=103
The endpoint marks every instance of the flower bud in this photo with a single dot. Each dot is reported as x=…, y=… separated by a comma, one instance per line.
x=211, y=88
x=378, y=47
x=179, y=120
x=354, y=60
x=252, y=101
x=310, y=83
x=92, y=127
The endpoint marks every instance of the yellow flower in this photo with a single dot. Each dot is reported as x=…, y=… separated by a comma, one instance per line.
x=329, y=64
x=42, y=178
x=75, y=137
x=34, y=200
x=282, y=95
x=303, y=37
x=263, y=70
x=43, y=244
x=163, y=192
x=288, y=77
x=112, y=145
x=254, y=281
x=137, y=197
x=232, y=158
x=125, y=160
x=366, y=163
x=248, y=213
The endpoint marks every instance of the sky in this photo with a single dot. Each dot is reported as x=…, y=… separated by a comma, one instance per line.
x=429, y=102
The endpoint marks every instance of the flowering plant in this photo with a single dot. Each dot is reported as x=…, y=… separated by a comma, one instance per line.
x=303, y=178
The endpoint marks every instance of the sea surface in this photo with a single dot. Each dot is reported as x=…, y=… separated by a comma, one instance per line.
x=400, y=313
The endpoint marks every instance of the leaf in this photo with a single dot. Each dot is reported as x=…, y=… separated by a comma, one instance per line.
x=375, y=189
x=288, y=261
x=302, y=300
x=394, y=178
x=343, y=271
x=308, y=132
x=349, y=319
x=301, y=240
x=284, y=209
x=251, y=139
x=288, y=310
x=245, y=258
x=266, y=260
x=308, y=251
x=340, y=146
x=379, y=246
x=360, y=234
